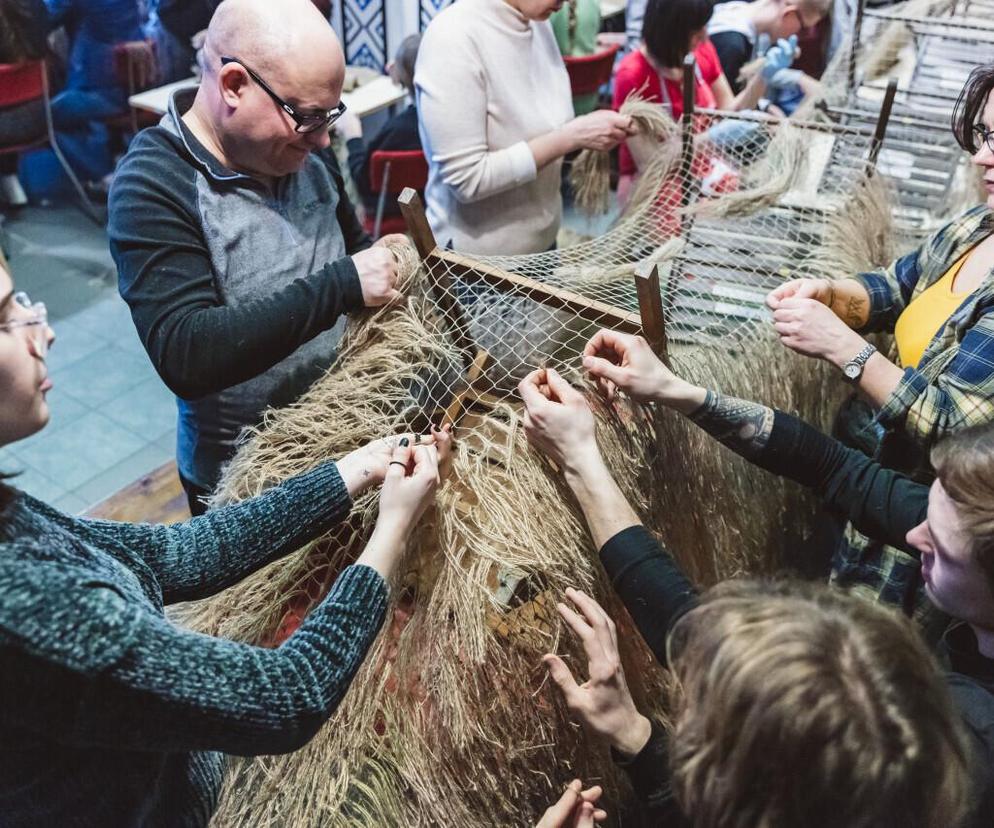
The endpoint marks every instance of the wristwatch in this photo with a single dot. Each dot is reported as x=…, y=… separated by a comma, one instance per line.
x=853, y=369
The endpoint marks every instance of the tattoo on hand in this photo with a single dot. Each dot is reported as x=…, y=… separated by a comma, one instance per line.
x=741, y=425
x=854, y=312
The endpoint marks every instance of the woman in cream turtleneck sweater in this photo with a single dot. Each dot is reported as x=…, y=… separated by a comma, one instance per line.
x=496, y=119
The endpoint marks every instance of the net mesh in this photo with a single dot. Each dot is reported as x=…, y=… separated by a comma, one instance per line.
x=451, y=721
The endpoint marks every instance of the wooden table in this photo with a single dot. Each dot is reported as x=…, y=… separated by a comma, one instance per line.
x=372, y=93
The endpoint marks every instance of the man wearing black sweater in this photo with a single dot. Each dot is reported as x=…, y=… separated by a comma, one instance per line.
x=236, y=245
x=657, y=594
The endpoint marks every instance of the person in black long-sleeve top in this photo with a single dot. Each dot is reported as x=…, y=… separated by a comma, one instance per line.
x=399, y=133
x=807, y=706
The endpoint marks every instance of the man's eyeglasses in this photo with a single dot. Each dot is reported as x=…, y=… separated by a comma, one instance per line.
x=306, y=121
x=36, y=322
x=984, y=136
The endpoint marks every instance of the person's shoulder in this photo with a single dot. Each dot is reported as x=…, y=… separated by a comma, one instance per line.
x=155, y=169
x=60, y=611
x=707, y=60
x=632, y=67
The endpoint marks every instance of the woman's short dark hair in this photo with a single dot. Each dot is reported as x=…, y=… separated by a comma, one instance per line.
x=669, y=25
x=970, y=104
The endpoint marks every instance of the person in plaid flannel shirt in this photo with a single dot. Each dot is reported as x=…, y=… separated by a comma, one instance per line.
x=939, y=302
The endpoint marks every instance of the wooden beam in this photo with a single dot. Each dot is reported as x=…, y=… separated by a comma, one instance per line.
x=857, y=33
x=651, y=310
x=417, y=222
x=441, y=285
x=687, y=126
x=883, y=119
x=593, y=311
x=456, y=408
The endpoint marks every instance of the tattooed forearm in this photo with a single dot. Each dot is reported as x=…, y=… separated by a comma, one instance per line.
x=854, y=312
x=741, y=425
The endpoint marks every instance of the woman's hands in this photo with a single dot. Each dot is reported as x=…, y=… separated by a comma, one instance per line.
x=367, y=466
x=409, y=485
x=820, y=290
x=625, y=362
x=601, y=130
x=576, y=808
x=603, y=703
x=558, y=421
x=812, y=329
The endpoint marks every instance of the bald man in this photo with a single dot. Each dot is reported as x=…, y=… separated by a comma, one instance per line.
x=237, y=248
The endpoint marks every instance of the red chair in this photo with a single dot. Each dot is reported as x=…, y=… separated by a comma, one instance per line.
x=389, y=173
x=589, y=73
x=21, y=83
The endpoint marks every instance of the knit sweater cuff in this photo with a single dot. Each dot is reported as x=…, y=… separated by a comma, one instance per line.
x=317, y=498
x=361, y=585
x=521, y=163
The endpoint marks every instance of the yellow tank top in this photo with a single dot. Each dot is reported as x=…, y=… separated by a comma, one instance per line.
x=920, y=321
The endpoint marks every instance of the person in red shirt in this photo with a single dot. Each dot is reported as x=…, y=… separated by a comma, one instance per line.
x=672, y=29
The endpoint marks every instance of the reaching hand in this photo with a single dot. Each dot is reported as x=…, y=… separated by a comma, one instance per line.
x=603, y=702
x=558, y=421
x=576, y=808
x=779, y=57
x=818, y=289
x=377, y=269
x=601, y=130
x=811, y=328
x=367, y=466
x=391, y=238
x=626, y=362
x=409, y=486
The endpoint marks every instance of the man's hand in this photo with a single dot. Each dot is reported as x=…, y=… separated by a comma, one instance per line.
x=603, y=702
x=811, y=328
x=817, y=289
x=558, y=421
x=576, y=808
x=378, y=276
x=619, y=361
x=391, y=238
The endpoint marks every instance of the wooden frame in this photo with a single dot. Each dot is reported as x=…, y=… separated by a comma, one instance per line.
x=440, y=264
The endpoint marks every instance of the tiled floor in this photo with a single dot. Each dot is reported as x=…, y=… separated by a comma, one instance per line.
x=112, y=418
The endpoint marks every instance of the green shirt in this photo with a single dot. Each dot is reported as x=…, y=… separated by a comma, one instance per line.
x=578, y=40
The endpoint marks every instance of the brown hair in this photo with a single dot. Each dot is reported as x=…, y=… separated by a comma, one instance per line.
x=800, y=705
x=964, y=464
x=970, y=104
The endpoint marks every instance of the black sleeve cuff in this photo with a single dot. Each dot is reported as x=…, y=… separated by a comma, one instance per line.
x=344, y=274
x=649, y=771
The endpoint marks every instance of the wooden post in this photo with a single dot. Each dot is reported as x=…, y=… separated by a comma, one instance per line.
x=651, y=311
x=883, y=119
x=687, y=124
x=413, y=212
x=441, y=284
x=857, y=33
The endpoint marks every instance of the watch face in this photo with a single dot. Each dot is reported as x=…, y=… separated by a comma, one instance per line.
x=852, y=370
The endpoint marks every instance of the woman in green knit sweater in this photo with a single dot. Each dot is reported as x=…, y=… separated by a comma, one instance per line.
x=109, y=714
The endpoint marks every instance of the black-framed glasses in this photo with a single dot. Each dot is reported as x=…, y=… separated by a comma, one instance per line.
x=305, y=121
x=984, y=136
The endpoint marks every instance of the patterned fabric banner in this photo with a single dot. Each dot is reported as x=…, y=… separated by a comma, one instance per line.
x=371, y=30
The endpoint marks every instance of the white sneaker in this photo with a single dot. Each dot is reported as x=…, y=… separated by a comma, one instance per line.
x=12, y=191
